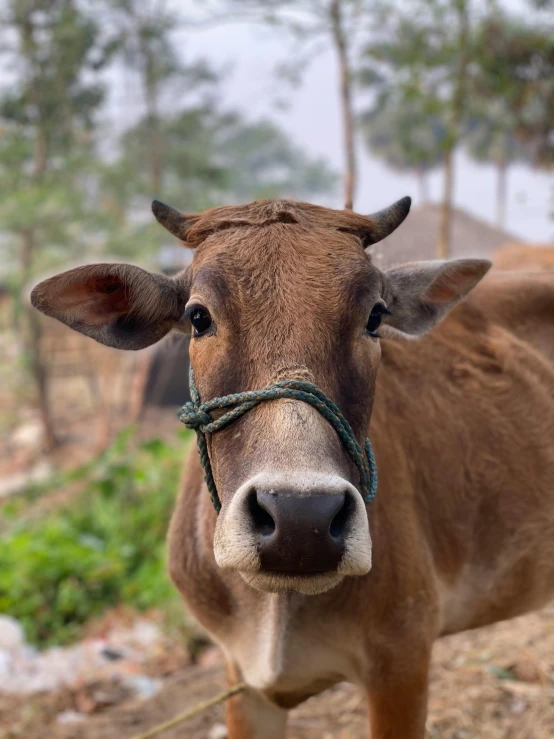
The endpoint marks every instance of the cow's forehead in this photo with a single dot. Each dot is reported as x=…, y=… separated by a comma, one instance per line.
x=280, y=261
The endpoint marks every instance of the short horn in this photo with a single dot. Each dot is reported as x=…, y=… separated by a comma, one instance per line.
x=385, y=221
x=171, y=219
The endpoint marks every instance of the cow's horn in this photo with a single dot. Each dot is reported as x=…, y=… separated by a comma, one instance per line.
x=170, y=218
x=385, y=221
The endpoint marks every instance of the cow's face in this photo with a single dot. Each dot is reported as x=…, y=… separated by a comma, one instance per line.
x=276, y=290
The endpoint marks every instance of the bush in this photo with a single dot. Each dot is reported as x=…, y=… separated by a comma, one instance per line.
x=106, y=547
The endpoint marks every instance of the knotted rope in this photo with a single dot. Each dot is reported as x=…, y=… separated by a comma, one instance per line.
x=196, y=416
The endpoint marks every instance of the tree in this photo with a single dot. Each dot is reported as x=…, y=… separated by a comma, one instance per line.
x=144, y=41
x=340, y=38
x=491, y=139
x=457, y=103
x=486, y=77
x=310, y=22
x=47, y=116
x=516, y=68
x=422, y=53
x=49, y=112
x=186, y=148
x=211, y=156
x=511, y=108
x=405, y=135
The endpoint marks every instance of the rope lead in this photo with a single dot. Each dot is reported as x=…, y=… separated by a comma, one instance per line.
x=196, y=416
x=186, y=715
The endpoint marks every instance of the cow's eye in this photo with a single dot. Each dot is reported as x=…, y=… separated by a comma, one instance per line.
x=200, y=319
x=375, y=318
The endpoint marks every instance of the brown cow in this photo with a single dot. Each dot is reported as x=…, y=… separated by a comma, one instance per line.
x=300, y=583
x=524, y=257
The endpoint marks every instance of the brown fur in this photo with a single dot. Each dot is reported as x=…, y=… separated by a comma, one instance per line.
x=524, y=257
x=462, y=422
x=466, y=466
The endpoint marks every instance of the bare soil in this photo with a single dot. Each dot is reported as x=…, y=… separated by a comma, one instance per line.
x=495, y=683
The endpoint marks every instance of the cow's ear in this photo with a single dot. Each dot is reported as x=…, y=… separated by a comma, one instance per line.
x=418, y=295
x=116, y=304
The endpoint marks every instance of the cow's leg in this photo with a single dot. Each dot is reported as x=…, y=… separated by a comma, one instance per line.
x=398, y=703
x=251, y=716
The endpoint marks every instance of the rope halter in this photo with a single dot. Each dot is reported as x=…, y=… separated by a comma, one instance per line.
x=196, y=416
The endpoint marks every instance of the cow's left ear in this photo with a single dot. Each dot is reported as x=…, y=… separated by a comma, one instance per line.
x=418, y=295
x=116, y=304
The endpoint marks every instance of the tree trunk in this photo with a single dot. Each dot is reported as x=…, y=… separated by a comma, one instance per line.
x=32, y=348
x=422, y=182
x=139, y=380
x=501, y=189
x=29, y=49
x=457, y=111
x=346, y=103
x=150, y=83
x=155, y=137
x=443, y=246
x=40, y=376
x=32, y=339
x=40, y=155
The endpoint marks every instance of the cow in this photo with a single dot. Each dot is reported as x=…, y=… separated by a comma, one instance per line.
x=524, y=257
x=299, y=581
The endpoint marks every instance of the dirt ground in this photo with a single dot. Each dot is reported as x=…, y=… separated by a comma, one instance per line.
x=495, y=683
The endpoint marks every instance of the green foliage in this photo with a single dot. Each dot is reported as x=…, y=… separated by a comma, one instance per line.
x=490, y=135
x=46, y=118
x=513, y=86
x=72, y=188
x=209, y=156
x=104, y=548
x=411, y=67
x=59, y=47
x=404, y=133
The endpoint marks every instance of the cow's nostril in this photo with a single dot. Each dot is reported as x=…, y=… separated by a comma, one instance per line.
x=299, y=533
x=339, y=523
x=262, y=520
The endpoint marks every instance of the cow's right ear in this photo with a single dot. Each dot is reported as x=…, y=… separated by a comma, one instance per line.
x=116, y=304
x=420, y=294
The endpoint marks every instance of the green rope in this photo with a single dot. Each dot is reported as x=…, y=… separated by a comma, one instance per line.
x=196, y=415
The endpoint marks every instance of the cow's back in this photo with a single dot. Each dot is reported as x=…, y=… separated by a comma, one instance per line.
x=468, y=413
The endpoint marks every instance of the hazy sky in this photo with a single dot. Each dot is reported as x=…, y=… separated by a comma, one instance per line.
x=250, y=54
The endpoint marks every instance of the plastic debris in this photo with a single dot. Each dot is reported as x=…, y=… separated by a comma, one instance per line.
x=118, y=655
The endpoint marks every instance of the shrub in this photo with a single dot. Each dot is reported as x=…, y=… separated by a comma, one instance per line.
x=107, y=546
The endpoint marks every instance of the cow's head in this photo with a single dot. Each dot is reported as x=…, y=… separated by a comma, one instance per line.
x=276, y=290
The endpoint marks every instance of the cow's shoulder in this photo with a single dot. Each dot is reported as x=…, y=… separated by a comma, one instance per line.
x=505, y=325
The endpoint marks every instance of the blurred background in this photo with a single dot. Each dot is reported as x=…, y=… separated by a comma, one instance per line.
x=108, y=104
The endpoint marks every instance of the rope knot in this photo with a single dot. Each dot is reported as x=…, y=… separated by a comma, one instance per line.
x=194, y=417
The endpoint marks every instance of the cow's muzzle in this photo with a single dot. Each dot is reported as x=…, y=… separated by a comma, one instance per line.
x=304, y=537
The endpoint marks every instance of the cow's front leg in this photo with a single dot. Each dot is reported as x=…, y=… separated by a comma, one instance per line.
x=251, y=716
x=398, y=701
